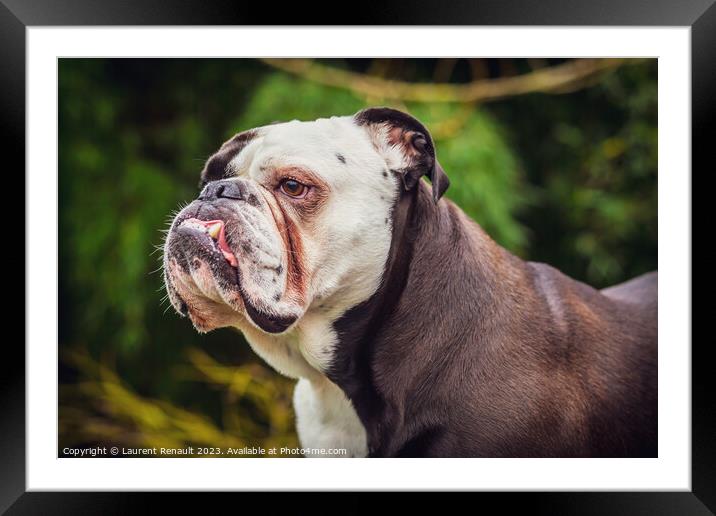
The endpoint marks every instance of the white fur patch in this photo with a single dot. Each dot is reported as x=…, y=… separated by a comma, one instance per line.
x=325, y=418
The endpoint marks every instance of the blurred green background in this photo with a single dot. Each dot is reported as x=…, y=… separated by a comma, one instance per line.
x=556, y=159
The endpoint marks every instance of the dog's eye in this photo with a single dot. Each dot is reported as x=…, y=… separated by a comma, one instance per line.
x=293, y=188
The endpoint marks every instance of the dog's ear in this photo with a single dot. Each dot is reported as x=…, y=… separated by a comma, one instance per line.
x=406, y=145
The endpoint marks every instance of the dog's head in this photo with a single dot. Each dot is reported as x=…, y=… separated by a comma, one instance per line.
x=295, y=217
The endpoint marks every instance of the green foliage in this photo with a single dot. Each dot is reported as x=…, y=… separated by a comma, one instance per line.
x=567, y=179
x=592, y=159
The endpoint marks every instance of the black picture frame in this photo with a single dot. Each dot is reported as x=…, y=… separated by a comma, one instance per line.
x=17, y=15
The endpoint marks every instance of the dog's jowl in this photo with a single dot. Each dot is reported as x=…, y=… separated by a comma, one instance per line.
x=410, y=332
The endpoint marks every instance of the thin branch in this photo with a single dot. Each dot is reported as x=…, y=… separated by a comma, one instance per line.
x=554, y=79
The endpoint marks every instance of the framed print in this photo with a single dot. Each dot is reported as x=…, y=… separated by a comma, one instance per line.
x=423, y=255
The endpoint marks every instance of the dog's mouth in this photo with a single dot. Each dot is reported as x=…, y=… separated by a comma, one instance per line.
x=216, y=230
x=202, y=245
x=203, y=249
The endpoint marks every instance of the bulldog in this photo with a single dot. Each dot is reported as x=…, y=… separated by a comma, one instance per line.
x=409, y=330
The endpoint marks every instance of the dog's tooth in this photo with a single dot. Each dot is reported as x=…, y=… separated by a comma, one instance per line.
x=214, y=230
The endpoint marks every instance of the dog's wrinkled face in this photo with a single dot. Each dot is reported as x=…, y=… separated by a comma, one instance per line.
x=291, y=218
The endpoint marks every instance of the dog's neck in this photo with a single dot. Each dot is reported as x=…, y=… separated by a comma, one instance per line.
x=400, y=332
x=357, y=330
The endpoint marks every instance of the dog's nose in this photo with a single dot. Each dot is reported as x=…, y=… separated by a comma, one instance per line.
x=226, y=188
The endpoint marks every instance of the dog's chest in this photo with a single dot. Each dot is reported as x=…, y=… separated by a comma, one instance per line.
x=325, y=417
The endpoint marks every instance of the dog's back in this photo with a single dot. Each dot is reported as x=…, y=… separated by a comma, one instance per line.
x=641, y=291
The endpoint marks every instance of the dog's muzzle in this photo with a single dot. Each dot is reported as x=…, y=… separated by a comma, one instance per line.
x=225, y=260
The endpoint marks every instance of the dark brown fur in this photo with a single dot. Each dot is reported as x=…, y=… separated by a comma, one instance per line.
x=215, y=167
x=466, y=350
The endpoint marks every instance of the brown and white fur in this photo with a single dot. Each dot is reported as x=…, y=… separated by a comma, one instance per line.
x=411, y=332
